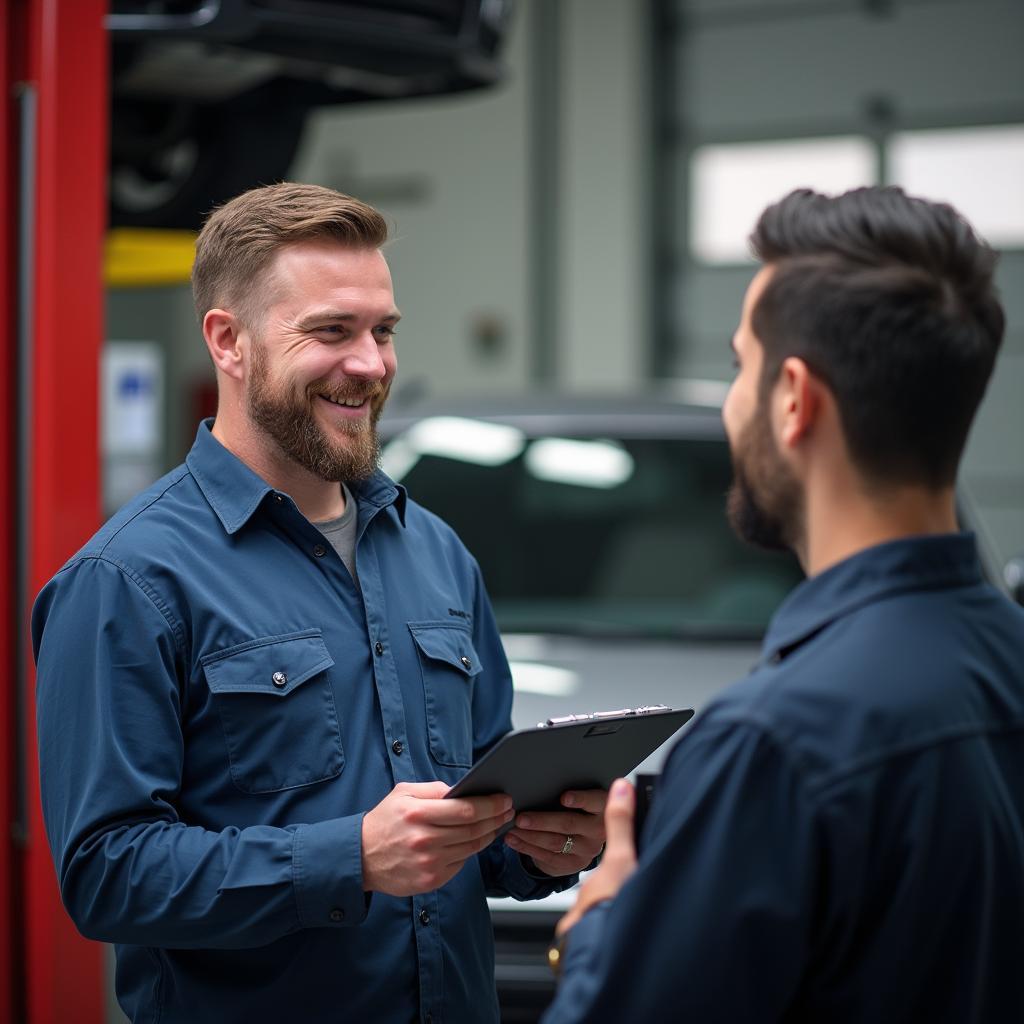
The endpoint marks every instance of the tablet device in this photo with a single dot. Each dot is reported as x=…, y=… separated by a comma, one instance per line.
x=536, y=766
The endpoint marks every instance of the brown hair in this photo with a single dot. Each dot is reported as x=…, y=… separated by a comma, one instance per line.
x=241, y=238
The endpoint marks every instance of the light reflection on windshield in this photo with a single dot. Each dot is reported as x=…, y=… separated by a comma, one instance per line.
x=650, y=554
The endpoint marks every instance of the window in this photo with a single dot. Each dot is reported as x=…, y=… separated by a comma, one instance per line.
x=732, y=184
x=979, y=170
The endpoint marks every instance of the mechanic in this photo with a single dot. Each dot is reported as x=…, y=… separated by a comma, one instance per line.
x=260, y=677
x=839, y=836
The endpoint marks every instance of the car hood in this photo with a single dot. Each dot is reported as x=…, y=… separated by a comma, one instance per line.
x=559, y=675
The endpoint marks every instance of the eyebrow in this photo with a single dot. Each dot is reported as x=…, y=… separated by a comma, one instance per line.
x=334, y=315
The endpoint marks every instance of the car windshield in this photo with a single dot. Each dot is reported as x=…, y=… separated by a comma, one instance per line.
x=602, y=536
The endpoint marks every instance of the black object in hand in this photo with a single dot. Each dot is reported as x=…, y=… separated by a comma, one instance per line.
x=644, y=785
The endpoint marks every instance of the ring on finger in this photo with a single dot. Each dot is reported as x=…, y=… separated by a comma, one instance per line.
x=567, y=847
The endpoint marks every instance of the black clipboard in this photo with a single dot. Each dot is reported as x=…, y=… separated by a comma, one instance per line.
x=536, y=766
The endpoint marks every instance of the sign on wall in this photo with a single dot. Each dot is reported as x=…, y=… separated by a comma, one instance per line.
x=132, y=418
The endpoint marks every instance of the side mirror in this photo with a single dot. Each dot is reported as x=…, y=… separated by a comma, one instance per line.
x=1013, y=575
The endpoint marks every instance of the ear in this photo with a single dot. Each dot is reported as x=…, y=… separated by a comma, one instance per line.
x=223, y=335
x=798, y=400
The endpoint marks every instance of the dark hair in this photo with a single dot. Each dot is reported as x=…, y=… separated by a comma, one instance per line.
x=890, y=300
x=241, y=238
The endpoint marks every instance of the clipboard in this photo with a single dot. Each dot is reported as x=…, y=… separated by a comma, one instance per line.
x=536, y=766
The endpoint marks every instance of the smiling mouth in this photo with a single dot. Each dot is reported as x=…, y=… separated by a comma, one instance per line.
x=346, y=403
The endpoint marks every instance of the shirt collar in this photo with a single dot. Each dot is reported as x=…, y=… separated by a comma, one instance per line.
x=234, y=491
x=380, y=490
x=913, y=563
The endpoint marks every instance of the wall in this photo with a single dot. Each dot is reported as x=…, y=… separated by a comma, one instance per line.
x=746, y=70
x=541, y=227
x=557, y=156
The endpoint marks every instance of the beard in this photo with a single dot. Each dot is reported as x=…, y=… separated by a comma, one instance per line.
x=765, y=503
x=290, y=422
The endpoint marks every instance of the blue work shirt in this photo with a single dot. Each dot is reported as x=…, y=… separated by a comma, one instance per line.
x=219, y=705
x=840, y=836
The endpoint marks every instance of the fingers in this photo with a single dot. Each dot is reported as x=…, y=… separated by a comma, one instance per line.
x=619, y=861
x=459, y=811
x=544, y=842
x=551, y=862
x=413, y=840
x=618, y=820
x=456, y=853
x=586, y=820
x=486, y=829
x=542, y=835
x=563, y=823
x=590, y=801
x=546, y=850
x=423, y=790
x=469, y=824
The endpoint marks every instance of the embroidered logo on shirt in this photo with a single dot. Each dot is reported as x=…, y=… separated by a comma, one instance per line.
x=459, y=614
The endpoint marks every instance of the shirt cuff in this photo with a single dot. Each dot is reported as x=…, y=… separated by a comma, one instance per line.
x=327, y=873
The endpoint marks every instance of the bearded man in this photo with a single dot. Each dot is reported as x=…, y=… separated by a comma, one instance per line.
x=259, y=679
x=840, y=836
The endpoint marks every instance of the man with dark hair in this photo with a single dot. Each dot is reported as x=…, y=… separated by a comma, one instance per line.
x=839, y=836
x=259, y=679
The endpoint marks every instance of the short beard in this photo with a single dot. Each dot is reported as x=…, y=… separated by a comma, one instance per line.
x=290, y=422
x=765, y=504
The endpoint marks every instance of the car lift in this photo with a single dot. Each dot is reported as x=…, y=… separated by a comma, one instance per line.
x=53, y=166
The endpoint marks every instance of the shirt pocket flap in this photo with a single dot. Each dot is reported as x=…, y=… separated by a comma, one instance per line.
x=273, y=665
x=448, y=644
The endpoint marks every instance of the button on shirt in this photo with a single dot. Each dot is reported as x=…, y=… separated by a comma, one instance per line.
x=840, y=836
x=219, y=705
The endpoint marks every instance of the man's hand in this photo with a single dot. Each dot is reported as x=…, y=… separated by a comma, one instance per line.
x=413, y=841
x=618, y=862
x=543, y=835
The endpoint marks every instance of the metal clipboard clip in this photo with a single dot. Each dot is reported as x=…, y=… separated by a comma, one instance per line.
x=645, y=709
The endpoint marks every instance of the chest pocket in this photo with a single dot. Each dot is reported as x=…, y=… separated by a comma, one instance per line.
x=277, y=708
x=448, y=663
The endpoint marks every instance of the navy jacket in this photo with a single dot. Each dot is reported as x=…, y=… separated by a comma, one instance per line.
x=219, y=705
x=840, y=836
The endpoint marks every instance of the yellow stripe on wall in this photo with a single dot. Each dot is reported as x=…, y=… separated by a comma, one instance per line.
x=142, y=257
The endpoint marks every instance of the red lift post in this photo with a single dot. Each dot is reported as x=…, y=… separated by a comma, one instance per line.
x=53, y=160
x=8, y=707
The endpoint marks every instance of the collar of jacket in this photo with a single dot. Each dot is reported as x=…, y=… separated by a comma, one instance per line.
x=911, y=563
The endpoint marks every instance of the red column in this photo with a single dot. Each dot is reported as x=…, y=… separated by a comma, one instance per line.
x=8, y=706
x=65, y=66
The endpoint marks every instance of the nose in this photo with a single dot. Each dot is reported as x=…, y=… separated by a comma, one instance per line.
x=363, y=358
